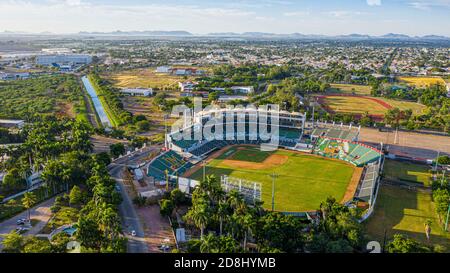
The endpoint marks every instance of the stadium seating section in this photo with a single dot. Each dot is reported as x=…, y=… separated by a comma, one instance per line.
x=171, y=162
x=355, y=153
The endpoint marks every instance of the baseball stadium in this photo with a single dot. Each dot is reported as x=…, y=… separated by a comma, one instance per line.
x=302, y=167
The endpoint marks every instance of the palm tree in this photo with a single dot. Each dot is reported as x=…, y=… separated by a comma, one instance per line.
x=428, y=229
x=28, y=201
x=222, y=212
x=208, y=244
x=200, y=217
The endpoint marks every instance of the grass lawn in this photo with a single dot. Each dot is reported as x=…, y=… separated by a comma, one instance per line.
x=407, y=171
x=350, y=89
x=65, y=216
x=404, y=211
x=304, y=180
x=422, y=82
x=354, y=105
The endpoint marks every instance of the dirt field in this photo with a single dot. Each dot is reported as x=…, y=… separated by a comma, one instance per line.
x=416, y=145
x=156, y=227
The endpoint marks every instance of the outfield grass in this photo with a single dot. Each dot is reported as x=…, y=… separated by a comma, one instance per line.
x=407, y=171
x=404, y=211
x=350, y=89
x=422, y=82
x=304, y=180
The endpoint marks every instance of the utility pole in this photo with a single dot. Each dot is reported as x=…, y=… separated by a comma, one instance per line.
x=274, y=176
x=437, y=158
x=446, y=221
x=204, y=169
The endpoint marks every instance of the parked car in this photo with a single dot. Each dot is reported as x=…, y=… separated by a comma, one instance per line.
x=22, y=221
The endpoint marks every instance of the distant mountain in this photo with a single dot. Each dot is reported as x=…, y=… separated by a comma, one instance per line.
x=395, y=36
x=434, y=37
x=140, y=33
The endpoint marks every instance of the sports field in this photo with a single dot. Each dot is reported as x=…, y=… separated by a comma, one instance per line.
x=354, y=89
x=404, y=211
x=422, y=82
x=303, y=182
x=377, y=107
x=407, y=171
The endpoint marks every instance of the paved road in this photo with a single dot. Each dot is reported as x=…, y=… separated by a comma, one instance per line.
x=40, y=212
x=130, y=219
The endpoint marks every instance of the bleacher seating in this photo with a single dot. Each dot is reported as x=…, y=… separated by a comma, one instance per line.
x=171, y=162
x=353, y=152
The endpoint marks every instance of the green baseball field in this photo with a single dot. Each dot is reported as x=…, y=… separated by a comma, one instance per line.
x=303, y=180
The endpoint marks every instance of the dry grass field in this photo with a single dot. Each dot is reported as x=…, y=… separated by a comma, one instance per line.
x=422, y=82
x=146, y=78
x=353, y=105
x=351, y=89
x=377, y=107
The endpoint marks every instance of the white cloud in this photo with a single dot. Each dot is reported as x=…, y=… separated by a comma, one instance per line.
x=296, y=13
x=374, y=2
x=344, y=13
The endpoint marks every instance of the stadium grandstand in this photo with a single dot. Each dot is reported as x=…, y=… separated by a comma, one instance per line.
x=170, y=163
x=238, y=126
x=356, y=153
x=333, y=130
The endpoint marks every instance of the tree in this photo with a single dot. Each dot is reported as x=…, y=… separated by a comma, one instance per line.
x=28, y=201
x=117, y=149
x=13, y=242
x=89, y=233
x=167, y=207
x=143, y=125
x=403, y=244
x=395, y=116
x=177, y=197
x=36, y=245
x=13, y=181
x=444, y=160
x=199, y=215
x=75, y=196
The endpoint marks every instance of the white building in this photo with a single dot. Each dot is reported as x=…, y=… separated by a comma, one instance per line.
x=146, y=92
x=14, y=76
x=79, y=59
x=9, y=123
x=163, y=69
x=187, y=86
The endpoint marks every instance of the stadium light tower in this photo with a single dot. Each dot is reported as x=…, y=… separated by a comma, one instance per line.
x=274, y=176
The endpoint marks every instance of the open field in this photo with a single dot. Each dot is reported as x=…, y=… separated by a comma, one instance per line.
x=358, y=105
x=417, y=108
x=303, y=182
x=353, y=105
x=407, y=171
x=404, y=211
x=422, y=82
x=146, y=78
x=351, y=89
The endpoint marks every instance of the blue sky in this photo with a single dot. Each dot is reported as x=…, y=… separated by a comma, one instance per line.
x=330, y=17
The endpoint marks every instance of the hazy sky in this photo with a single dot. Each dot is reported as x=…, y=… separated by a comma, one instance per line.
x=375, y=17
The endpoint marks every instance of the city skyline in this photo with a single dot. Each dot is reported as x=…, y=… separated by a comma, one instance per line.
x=372, y=17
